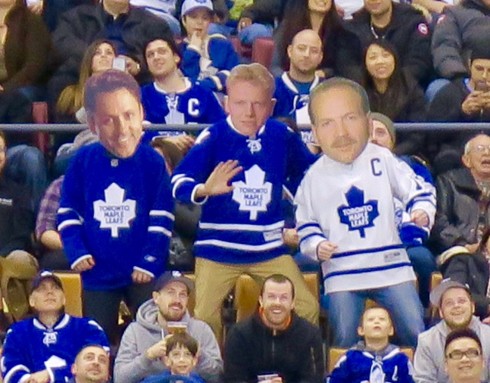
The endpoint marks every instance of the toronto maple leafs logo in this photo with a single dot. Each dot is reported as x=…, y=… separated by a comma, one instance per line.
x=254, y=194
x=114, y=213
x=357, y=214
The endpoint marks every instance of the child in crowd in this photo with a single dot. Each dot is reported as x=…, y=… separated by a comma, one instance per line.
x=180, y=359
x=205, y=58
x=373, y=359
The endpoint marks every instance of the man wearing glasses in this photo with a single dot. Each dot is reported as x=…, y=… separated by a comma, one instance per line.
x=464, y=361
x=456, y=308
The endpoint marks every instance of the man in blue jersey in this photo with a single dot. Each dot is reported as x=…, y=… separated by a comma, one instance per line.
x=116, y=210
x=346, y=218
x=171, y=98
x=42, y=349
x=237, y=170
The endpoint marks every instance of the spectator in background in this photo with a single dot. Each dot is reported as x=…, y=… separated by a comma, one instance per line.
x=394, y=93
x=275, y=340
x=459, y=344
x=16, y=225
x=43, y=348
x=456, y=308
x=51, y=10
x=460, y=30
x=346, y=218
x=115, y=229
x=98, y=58
x=472, y=269
x=293, y=87
x=128, y=28
x=319, y=15
x=172, y=98
x=180, y=358
x=461, y=100
x=205, y=58
x=414, y=238
x=145, y=341
x=91, y=365
x=463, y=201
x=374, y=356
x=241, y=223
x=401, y=25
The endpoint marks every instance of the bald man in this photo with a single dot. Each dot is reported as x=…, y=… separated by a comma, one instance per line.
x=293, y=87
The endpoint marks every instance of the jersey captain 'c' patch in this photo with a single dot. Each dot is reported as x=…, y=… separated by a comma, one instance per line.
x=357, y=214
x=114, y=213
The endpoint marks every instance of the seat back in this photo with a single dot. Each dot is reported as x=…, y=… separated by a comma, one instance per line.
x=40, y=116
x=262, y=51
x=247, y=292
x=72, y=286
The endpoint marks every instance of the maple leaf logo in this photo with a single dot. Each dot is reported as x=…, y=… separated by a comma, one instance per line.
x=114, y=213
x=357, y=214
x=254, y=194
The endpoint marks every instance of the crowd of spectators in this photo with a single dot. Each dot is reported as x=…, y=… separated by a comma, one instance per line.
x=373, y=210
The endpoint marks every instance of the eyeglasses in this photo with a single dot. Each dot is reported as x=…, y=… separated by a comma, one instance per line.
x=482, y=148
x=471, y=353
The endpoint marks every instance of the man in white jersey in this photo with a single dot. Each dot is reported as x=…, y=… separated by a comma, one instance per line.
x=346, y=220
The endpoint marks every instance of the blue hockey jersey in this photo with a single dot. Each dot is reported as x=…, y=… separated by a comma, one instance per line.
x=244, y=226
x=290, y=102
x=120, y=211
x=360, y=366
x=32, y=347
x=196, y=104
x=213, y=70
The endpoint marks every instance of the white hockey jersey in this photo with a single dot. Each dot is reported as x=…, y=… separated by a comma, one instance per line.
x=352, y=206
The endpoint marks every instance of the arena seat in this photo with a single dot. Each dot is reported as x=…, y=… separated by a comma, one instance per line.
x=72, y=286
x=40, y=116
x=262, y=51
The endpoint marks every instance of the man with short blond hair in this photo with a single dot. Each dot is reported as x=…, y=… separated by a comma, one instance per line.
x=236, y=171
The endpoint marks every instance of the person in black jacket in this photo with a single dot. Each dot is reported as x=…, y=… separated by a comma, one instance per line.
x=394, y=93
x=274, y=341
x=472, y=269
x=400, y=24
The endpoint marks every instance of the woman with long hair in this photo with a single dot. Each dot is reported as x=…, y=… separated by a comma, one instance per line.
x=319, y=15
x=394, y=93
x=98, y=58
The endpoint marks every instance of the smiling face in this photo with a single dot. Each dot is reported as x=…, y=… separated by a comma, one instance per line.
x=380, y=63
x=161, y=60
x=277, y=303
x=103, y=58
x=464, y=361
x=172, y=301
x=477, y=157
x=376, y=324
x=48, y=297
x=197, y=21
x=456, y=308
x=340, y=125
x=118, y=122
x=180, y=360
x=319, y=6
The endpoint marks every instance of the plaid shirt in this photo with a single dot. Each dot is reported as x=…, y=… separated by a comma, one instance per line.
x=46, y=218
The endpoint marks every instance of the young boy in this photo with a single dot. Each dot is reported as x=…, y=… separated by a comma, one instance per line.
x=180, y=359
x=205, y=58
x=374, y=359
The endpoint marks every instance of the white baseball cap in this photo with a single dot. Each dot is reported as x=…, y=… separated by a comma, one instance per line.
x=190, y=5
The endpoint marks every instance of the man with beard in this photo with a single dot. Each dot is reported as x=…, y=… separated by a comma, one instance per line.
x=91, y=365
x=143, y=344
x=275, y=342
x=293, y=87
x=456, y=309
